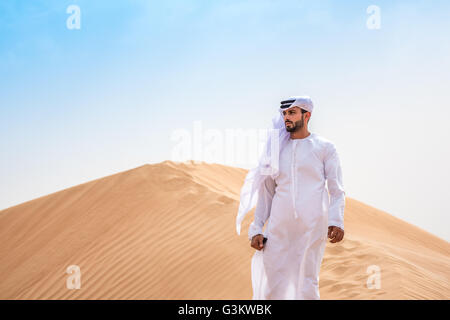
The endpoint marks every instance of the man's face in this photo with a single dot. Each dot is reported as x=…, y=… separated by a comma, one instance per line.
x=294, y=119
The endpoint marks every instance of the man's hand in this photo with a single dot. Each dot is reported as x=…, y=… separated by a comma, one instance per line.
x=257, y=242
x=335, y=234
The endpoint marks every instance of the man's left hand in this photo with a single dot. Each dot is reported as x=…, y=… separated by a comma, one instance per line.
x=336, y=234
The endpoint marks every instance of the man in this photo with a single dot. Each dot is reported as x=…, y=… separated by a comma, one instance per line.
x=300, y=209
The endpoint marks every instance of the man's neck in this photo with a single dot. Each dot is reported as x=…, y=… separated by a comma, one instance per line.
x=301, y=134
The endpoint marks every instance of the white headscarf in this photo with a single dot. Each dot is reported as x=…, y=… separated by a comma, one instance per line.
x=268, y=164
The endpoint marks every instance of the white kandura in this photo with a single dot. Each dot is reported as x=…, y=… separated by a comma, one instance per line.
x=299, y=196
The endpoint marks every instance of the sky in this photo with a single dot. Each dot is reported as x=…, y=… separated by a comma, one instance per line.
x=139, y=82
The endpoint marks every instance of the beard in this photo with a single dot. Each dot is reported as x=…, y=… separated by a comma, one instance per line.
x=298, y=125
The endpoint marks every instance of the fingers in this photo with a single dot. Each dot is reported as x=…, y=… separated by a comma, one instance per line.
x=257, y=242
x=336, y=235
x=333, y=237
x=332, y=233
x=342, y=236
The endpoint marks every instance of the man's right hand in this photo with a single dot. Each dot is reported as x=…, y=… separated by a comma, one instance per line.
x=257, y=242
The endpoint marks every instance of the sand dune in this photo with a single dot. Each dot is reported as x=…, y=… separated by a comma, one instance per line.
x=167, y=231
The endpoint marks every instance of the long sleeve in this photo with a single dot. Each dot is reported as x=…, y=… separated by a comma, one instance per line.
x=333, y=174
x=263, y=207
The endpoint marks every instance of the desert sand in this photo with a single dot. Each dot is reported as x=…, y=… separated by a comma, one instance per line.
x=167, y=231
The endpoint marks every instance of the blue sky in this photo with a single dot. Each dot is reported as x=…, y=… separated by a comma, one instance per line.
x=76, y=105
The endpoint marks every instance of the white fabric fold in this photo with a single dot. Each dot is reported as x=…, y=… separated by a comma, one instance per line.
x=268, y=166
x=294, y=179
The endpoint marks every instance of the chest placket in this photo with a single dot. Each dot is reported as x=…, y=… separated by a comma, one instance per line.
x=293, y=177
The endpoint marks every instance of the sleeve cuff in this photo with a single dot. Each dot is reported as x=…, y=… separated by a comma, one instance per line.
x=336, y=223
x=254, y=230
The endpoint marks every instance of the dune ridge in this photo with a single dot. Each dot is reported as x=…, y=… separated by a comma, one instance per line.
x=167, y=231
